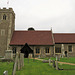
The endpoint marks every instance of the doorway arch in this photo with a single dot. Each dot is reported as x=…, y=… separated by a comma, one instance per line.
x=65, y=53
x=26, y=50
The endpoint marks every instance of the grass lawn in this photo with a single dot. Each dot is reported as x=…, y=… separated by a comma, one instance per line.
x=65, y=59
x=6, y=66
x=39, y=68
x=70, y=59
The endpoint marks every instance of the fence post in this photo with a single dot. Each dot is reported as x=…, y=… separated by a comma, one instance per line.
x=5, y=73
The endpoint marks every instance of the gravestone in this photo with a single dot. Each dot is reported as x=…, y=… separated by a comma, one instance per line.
x=18, y=63
x=54, y=64
x=45, y=61
x=50, y=62
x=5, y=73
x=30, y=55
x=8, y=54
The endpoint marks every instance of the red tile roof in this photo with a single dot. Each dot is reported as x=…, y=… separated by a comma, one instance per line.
x=64, y=37
x=32, y=38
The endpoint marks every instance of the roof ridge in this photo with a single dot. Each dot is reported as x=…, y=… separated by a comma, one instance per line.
x=32, y=31
x=63, y=33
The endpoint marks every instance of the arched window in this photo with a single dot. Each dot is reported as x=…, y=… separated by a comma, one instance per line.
x=4, y=17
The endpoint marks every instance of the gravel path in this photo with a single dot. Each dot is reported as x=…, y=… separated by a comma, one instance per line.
x=58, y=62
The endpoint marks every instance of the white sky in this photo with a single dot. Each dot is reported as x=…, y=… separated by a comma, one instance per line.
x=43, y=14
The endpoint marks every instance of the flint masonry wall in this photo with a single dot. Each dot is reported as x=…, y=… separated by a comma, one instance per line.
x=70, y=54
x=42, y=50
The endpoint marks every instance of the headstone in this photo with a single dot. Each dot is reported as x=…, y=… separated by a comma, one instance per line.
x=18, y=64
x=8, y=54
x=54, y=64
x=23, y=59
x=20, y=60
x=5, y=73
x=39, y=56
x=30, y=55
x=50, y=62
x=15, y=64
x=58, y=57
x=45, y=61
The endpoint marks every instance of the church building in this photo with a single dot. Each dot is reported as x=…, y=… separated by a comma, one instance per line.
x=41, y=43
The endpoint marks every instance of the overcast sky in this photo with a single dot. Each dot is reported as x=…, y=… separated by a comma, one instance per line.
x=43, y=14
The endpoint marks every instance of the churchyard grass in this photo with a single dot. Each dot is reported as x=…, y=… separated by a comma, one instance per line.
x=1, y=57
x=65, y=59
x=39, y=68
x=6, y=66
x=68, y=60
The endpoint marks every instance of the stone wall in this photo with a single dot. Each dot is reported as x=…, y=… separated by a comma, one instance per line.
x=8, y=54
x=6, y=29
x=66, y=49
x=42, y=50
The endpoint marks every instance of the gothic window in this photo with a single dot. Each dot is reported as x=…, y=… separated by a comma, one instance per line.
x=57, y=50
x=46, y=50
x=4, y=17
x=14, y=50
x=37, y=50
x=70, y=48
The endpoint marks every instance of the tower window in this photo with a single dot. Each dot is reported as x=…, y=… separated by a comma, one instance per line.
x=4, y=17
x=2, y=32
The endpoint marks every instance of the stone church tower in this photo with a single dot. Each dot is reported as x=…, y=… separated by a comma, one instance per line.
x=7, y=26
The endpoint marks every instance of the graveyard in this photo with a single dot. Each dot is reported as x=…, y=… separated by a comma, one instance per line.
x=45, y=45
x=37, y=67
x=6, y=66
